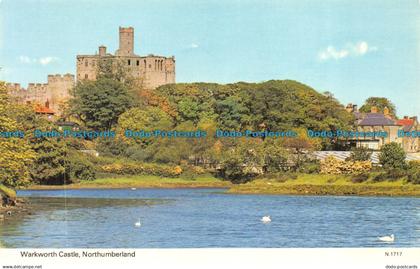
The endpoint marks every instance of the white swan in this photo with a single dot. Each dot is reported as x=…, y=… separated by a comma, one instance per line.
x=266, y=219
x=387, y=238
x=137, y=224
x=133, y=189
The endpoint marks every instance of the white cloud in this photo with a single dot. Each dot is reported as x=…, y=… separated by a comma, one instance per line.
x=193, y=46
x=351, y=49
x=26, y=60
x=47, y=60
x=43, y=60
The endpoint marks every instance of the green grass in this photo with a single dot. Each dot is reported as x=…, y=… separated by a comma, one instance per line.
x=8, y=192
x=317, y=184
x=142, y=181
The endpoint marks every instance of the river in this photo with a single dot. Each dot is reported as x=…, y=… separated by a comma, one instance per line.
x=201, y=218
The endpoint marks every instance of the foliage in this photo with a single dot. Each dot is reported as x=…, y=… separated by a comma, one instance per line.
x=243, y=162
x=392, y=156
x=359, y=178
x=360, y=154
x=131, y=168
x=273, y=105
x=98, y=104
x=413, y=172
x=49, y=165
x=380, y=103
x=78, y=167
x=391, y=174
x=309, y=166
x=332, y=165
x=8, y=193
x=275, y=156
x=16, y=154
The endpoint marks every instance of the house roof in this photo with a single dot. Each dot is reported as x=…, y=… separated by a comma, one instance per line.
x=405, y=122
x=376, y=119
x=44, y=110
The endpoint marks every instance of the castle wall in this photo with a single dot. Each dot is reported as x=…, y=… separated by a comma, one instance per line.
x=56, y=92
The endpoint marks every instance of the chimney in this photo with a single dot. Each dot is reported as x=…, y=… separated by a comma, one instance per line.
x=349, y=108
x=102, y=50
x=386, y=111
x=373, y=109
x=355, y=109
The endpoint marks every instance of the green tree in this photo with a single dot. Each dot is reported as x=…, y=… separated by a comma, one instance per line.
x=98, y=104
x=16, y=154
x=380, y=103
x=392, y=156
x=49, y=166
x=243, y=162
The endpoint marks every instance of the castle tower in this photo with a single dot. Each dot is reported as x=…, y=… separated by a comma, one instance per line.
x=126, y=47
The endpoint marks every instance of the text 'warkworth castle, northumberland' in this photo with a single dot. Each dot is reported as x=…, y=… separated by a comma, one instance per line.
x=149, y=71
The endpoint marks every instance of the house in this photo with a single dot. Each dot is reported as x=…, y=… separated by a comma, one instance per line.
x=395, y=129
x=410, y=138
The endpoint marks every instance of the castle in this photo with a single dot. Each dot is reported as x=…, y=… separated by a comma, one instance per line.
x=149, y=71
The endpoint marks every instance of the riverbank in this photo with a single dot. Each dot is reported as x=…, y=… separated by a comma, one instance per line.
x=302, y=184
x=140, y=182
x=326, y=185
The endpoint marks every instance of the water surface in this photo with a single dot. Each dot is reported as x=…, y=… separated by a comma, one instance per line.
x=181, y=218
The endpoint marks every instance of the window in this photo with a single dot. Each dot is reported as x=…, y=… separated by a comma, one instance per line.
x=129, y=62
x=86, y=63
x=86, y=76
x=138, y=63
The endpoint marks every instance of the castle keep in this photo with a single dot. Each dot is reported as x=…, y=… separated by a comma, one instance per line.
x=150, y=71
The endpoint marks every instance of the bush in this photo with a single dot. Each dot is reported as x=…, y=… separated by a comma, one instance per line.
x=79, y=168
x=128, y=168
x=392, y=156
x=310, y=167
x=413, y=172
x=359, y=178
x=390, y=174
x=331, y=165
x=360, y=154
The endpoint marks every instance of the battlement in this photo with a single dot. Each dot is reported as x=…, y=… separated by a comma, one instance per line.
x=126, y=29
x=61, y=78
x=13, y=86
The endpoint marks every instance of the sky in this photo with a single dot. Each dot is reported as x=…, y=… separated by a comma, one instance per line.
x=352, y=48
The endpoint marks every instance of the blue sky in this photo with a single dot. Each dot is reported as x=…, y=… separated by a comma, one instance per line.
x=354, y=49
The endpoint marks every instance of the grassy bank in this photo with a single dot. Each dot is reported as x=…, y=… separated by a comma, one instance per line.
x=142, y=181
x=303, y=184
x=326, y=185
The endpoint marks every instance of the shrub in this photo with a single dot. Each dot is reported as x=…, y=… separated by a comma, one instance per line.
x=413, y=172
x=359, y=178
x=310, y=167
x=360, y=154
x=79, y=168
x=129, y=168
x=390, y=174
x=392, y=156
x=331, y=165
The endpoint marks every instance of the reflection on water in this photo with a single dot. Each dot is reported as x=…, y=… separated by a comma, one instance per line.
x=209, y=218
